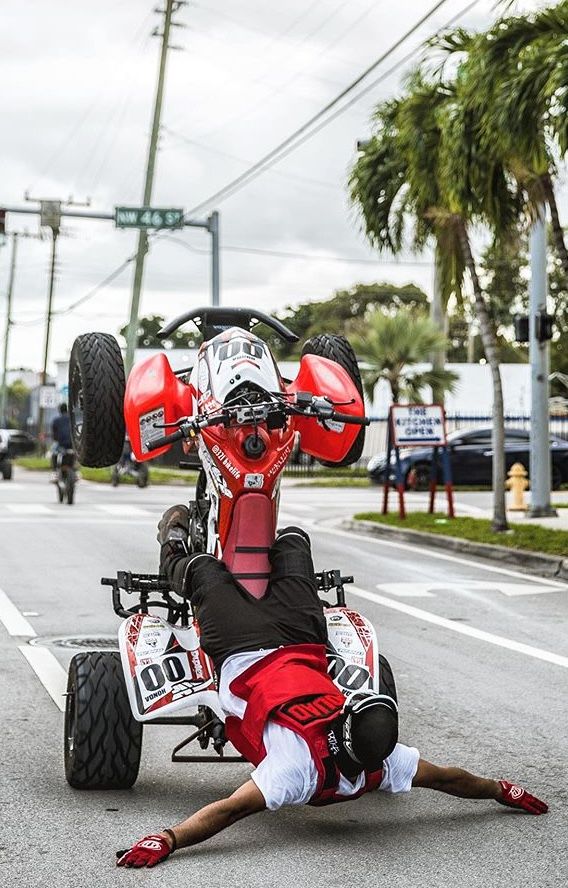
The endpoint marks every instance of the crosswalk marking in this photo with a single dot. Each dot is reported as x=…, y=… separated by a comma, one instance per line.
x=122, y=509
x=28, y=508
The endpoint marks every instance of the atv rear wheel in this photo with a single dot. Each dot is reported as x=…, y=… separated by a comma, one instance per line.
x=338, y=348
x=96, y=399
x=103, y=741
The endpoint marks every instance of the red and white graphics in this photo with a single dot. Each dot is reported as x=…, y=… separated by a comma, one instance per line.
x=353, y=653
x=165, y=669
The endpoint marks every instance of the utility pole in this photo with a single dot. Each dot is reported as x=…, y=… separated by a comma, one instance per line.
x=131, y=336
x=3, y=393
x=214, y=230
x=539, y=360
x=48, y=316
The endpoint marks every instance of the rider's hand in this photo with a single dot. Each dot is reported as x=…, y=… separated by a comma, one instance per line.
x=174, y=525
x=516, y=797
x=147, y=852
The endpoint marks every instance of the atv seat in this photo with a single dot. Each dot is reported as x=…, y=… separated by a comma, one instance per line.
x=250, y=537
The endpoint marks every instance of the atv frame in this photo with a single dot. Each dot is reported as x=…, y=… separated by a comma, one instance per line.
x=209, y=728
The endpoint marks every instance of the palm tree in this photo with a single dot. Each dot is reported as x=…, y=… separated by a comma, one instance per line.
x=392, y=344
x=515, y=80
x=426, y=167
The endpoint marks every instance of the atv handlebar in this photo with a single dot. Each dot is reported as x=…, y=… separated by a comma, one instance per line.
x=351, y=420
x=307, y=405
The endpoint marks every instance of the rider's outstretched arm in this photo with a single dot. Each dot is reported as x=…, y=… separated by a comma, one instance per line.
x=457, y=782
x=205, y=823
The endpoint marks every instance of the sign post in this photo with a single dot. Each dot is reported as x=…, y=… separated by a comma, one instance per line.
x=417, y=425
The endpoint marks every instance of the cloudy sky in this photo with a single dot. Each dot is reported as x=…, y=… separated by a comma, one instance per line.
x=78, y=86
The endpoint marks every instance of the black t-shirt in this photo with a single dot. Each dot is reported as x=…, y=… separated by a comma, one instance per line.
x=61, y=430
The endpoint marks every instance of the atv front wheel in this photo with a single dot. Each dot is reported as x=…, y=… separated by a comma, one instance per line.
x=338, y=348
x=96, y=399
x=103, y=741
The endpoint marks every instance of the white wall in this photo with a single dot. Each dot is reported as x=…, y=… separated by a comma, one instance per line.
x=473, y=393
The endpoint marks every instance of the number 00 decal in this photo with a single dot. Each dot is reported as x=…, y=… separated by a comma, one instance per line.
x=155, y=675
x=347, y=675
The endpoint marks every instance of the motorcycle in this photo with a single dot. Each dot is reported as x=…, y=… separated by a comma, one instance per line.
x=128, y=466
x=244, y=419
x=66, y=476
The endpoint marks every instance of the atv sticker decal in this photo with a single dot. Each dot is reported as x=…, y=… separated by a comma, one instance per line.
x=254, y=481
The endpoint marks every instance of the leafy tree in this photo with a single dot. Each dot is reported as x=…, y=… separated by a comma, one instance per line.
x=147, y=335
x=392, y=344
x=344, y=313
x=424, y=170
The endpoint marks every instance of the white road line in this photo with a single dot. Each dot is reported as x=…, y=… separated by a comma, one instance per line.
x=429, y=589
x=28, y=508
x=442, y=556
x=122, y=509
x=49, y=671
x=408, y=590
x=11, y=486
x=470, y=631
x=14, y=622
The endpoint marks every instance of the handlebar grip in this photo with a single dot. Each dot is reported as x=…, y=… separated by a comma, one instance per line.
x=351, y=420
x=163, y=440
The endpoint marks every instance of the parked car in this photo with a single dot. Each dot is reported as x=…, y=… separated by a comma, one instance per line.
x=13, y=442
x=471, y=459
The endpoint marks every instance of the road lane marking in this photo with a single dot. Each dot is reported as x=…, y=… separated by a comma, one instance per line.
x=428, y=590
x=28, y=508
x=470, y=631
x=122, y=509
x=49, y=671
x=408, y=590
x=14, y=622
x=431, y=553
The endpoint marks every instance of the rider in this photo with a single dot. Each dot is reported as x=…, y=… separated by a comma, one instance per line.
x=61, y=434
x=309, y=744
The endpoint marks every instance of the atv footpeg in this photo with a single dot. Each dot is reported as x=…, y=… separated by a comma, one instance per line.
x=211, y=728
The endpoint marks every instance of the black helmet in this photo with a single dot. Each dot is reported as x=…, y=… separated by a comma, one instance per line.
x=366, y=733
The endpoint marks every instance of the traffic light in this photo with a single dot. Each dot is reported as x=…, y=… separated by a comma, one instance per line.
x=521, y=328
x=2, y=223
x=544, y=326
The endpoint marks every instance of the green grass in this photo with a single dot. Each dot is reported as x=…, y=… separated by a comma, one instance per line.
x=158, y=475
x=531, y=537
x=37, y=463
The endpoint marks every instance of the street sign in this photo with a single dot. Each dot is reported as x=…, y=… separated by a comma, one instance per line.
x=48, y=397
x=416, y=425
x=50, y=214
x=148, y=217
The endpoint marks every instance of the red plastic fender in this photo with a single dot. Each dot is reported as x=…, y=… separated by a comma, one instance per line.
x=320, y=376
x=154, y=394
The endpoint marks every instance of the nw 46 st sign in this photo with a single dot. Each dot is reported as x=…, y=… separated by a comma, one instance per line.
x=148, y=217
x=416, y=424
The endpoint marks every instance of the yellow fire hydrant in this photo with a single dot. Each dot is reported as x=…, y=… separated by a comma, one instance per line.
x=517, y=483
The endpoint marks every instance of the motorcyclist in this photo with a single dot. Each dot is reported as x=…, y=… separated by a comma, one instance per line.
x=309, y=744
x=61, y=434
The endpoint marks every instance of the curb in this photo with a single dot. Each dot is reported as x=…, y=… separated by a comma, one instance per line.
x=536, y=563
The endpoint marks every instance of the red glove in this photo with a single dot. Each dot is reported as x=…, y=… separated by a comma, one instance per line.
x=516, y=797
x=147, y=852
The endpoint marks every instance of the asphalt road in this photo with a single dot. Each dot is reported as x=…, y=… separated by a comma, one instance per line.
x=481, y=661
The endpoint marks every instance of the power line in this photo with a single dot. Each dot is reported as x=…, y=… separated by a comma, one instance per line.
x=280, y=150
x=310, y=257
x=289, y=145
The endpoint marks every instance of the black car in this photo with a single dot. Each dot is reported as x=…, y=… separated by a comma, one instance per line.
x=471, y=459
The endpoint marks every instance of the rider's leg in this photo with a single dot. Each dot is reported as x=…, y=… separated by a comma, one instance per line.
x=292, y=597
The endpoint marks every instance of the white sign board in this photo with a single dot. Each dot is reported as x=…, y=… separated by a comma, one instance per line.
x=48, y=397
x=415, y=425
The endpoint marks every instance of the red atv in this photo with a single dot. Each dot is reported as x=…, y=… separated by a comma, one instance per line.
x=243, y=418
